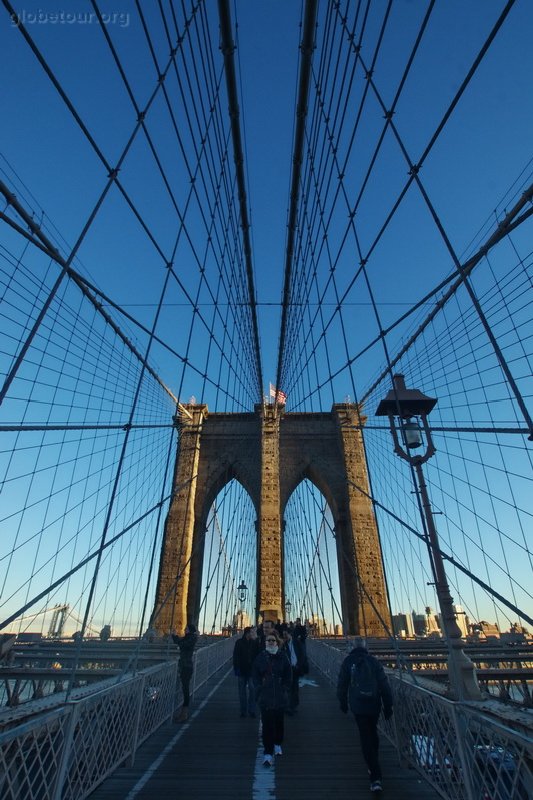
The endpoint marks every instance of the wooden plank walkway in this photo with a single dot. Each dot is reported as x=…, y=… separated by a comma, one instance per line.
x=218, y=756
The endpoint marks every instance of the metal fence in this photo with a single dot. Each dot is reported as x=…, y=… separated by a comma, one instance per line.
x=463, y=753
x=65, y=753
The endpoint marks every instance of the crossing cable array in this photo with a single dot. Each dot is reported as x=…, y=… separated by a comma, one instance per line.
x=450, y=558
x=305, y=350
x=345, y=42
x=141, y=124
x=307, y=574
x=218, y=186
x=508, y=224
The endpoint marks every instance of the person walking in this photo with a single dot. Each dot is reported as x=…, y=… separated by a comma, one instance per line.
x=295, y=652
x=299, y=631
x=186, y=644
x=272, y=676
x=244, y=653
x=363, y=685
x=263, y=630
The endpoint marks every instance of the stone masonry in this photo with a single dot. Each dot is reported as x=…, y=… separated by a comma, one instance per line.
x=270, y=452
x=270, y=548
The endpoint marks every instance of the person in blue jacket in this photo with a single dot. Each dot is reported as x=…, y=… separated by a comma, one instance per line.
x=364, y=686
x=272, y=677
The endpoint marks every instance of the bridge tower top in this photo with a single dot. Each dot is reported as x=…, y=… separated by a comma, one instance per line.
x=270, y=451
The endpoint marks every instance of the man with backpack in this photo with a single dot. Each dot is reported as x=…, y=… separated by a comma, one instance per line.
x=363, y=686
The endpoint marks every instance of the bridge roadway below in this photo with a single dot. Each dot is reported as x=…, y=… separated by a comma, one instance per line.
x=217, y=755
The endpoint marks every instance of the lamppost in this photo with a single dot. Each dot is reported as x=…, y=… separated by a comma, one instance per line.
x=407, y=410
x=242, y=594
x=288, y=606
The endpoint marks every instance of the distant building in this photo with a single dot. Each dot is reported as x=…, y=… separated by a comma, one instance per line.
x=432, y=623
x=427, y=624
x=419, y=624
x=30, y=636
x=462, y=620
x=403, y=625
x=317, y=626
x=485, y=630
x=241, y=620
x=516, y=634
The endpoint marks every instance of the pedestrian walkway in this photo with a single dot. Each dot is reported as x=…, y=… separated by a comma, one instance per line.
x=218, y=755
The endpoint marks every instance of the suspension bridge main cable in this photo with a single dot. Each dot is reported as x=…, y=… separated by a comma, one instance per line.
x=307, y=47
x=388, y=122
x=228, y=49
x=141, y=123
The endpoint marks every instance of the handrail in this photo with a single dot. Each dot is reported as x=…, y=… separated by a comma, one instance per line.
x=74, y=748
x=462, y=751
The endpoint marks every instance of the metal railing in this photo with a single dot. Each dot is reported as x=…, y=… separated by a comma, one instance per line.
x=464, y=753
x=65, y=753
x=515, y=691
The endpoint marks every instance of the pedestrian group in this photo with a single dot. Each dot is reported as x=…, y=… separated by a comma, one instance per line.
x=269, y=661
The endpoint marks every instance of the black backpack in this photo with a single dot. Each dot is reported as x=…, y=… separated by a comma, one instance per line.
x=363, y=680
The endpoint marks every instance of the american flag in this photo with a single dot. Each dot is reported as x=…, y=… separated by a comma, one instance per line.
x=280, y=397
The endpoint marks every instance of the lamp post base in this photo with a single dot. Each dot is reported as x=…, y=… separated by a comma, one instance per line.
x=463, y=676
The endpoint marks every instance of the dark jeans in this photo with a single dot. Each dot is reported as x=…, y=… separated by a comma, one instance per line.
x=294, y=694
x=272, y=724
x=186, y=675
x=246, y=694
x=368, y=734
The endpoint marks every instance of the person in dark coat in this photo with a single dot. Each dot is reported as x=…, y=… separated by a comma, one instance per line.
x=263, y=630
x=364, y=686
x=244, y=653
x=271, y=675
x=186, y=644
x=299, y=631
x=295, y=652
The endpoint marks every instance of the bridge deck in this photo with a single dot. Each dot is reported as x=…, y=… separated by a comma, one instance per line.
x=219, y=755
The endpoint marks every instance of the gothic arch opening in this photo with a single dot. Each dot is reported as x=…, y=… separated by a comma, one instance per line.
x=310, y=561
x=229, y=561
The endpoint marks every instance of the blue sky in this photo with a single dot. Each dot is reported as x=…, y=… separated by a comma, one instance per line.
x=485, y=146
x=484, y=149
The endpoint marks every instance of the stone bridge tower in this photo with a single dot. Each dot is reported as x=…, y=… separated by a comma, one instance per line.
x=270, y=452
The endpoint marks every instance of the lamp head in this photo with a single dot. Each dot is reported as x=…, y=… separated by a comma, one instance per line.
x=242, y=591
x=411, y=434
x=405, y=403
x=406, y=408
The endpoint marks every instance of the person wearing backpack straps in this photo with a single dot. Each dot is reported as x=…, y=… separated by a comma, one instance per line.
x=364, y=687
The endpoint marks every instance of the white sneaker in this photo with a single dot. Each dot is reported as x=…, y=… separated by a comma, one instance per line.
x=268, y=761
x=376, y=786
x=277, y=750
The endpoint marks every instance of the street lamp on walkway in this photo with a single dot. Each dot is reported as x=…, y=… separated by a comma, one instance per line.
x=242, y=594
x=407, y=410
x=288, y=606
